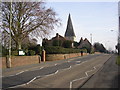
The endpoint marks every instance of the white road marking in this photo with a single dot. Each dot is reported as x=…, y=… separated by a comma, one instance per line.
x=19, y=73
x=17, y=86
x=46, y=76
x=78, y=61
x=68, y=61
x=41, y=67
x=31, y=80
x=52, y=73
x=86, y=73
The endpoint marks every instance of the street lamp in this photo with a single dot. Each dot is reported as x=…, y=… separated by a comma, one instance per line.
x=118, y=39
x=91, y=38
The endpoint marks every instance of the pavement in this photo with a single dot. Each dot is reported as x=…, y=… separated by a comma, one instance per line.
x=55, y=74
x=107, y=77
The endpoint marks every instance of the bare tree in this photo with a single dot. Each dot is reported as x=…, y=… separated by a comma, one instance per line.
x=28, y=18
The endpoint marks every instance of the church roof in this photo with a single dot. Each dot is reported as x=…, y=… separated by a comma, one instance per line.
x=69, y=29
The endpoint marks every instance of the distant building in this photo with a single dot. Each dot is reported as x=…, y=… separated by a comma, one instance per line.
x=85, y=44
x=69, y=34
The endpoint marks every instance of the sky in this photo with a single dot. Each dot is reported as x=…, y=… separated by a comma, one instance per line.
x=96, y=18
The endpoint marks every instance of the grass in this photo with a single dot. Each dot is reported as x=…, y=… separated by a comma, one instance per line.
x=118, y=60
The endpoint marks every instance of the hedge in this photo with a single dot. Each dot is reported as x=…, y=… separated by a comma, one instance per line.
x=61, y=50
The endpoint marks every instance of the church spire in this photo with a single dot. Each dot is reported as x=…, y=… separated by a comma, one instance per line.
x=69, y=30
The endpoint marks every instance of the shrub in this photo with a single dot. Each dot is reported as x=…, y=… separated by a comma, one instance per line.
x=61, y=50
x=15, y=53
x=118, y=60
x=38, y=49
x=31, y=52
x=3, y=51
x=67, y=44
x=57, y=43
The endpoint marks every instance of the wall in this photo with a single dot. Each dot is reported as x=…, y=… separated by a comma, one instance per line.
x=27, y=60
x=52, y=57
x=3, y=62
x=20, y=60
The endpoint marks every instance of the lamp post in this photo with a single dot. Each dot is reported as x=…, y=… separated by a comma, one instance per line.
x=91, y=38
x=9, y=58
x=118, y=39
x=91, y=43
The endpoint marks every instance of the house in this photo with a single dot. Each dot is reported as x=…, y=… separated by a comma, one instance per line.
x=85, y=44
x=55, y=41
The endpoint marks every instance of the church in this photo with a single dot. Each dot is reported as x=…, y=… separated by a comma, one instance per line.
x=58, y=40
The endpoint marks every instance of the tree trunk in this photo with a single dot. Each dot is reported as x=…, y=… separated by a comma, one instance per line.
x=19, y=45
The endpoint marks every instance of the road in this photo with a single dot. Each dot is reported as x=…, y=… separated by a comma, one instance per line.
x=60, y=75
x=107, y=77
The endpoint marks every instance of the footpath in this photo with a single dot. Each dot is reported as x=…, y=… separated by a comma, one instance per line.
x=107, y=77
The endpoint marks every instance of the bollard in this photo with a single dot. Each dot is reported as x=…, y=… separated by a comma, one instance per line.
x=43, y=55
x=81, y=53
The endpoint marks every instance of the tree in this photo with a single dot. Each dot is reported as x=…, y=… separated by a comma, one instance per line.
x=76, y=44
x=87, y=47
x=99, y=47
x=57, y=43
x=67, y=44
x=28, y=18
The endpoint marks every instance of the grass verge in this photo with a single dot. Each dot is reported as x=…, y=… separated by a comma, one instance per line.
x=118, y=60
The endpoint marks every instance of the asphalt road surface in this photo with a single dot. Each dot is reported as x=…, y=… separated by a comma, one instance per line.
x=63, y=75
x=107, y=77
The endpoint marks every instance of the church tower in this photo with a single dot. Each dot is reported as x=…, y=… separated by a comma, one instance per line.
x=69, y=34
